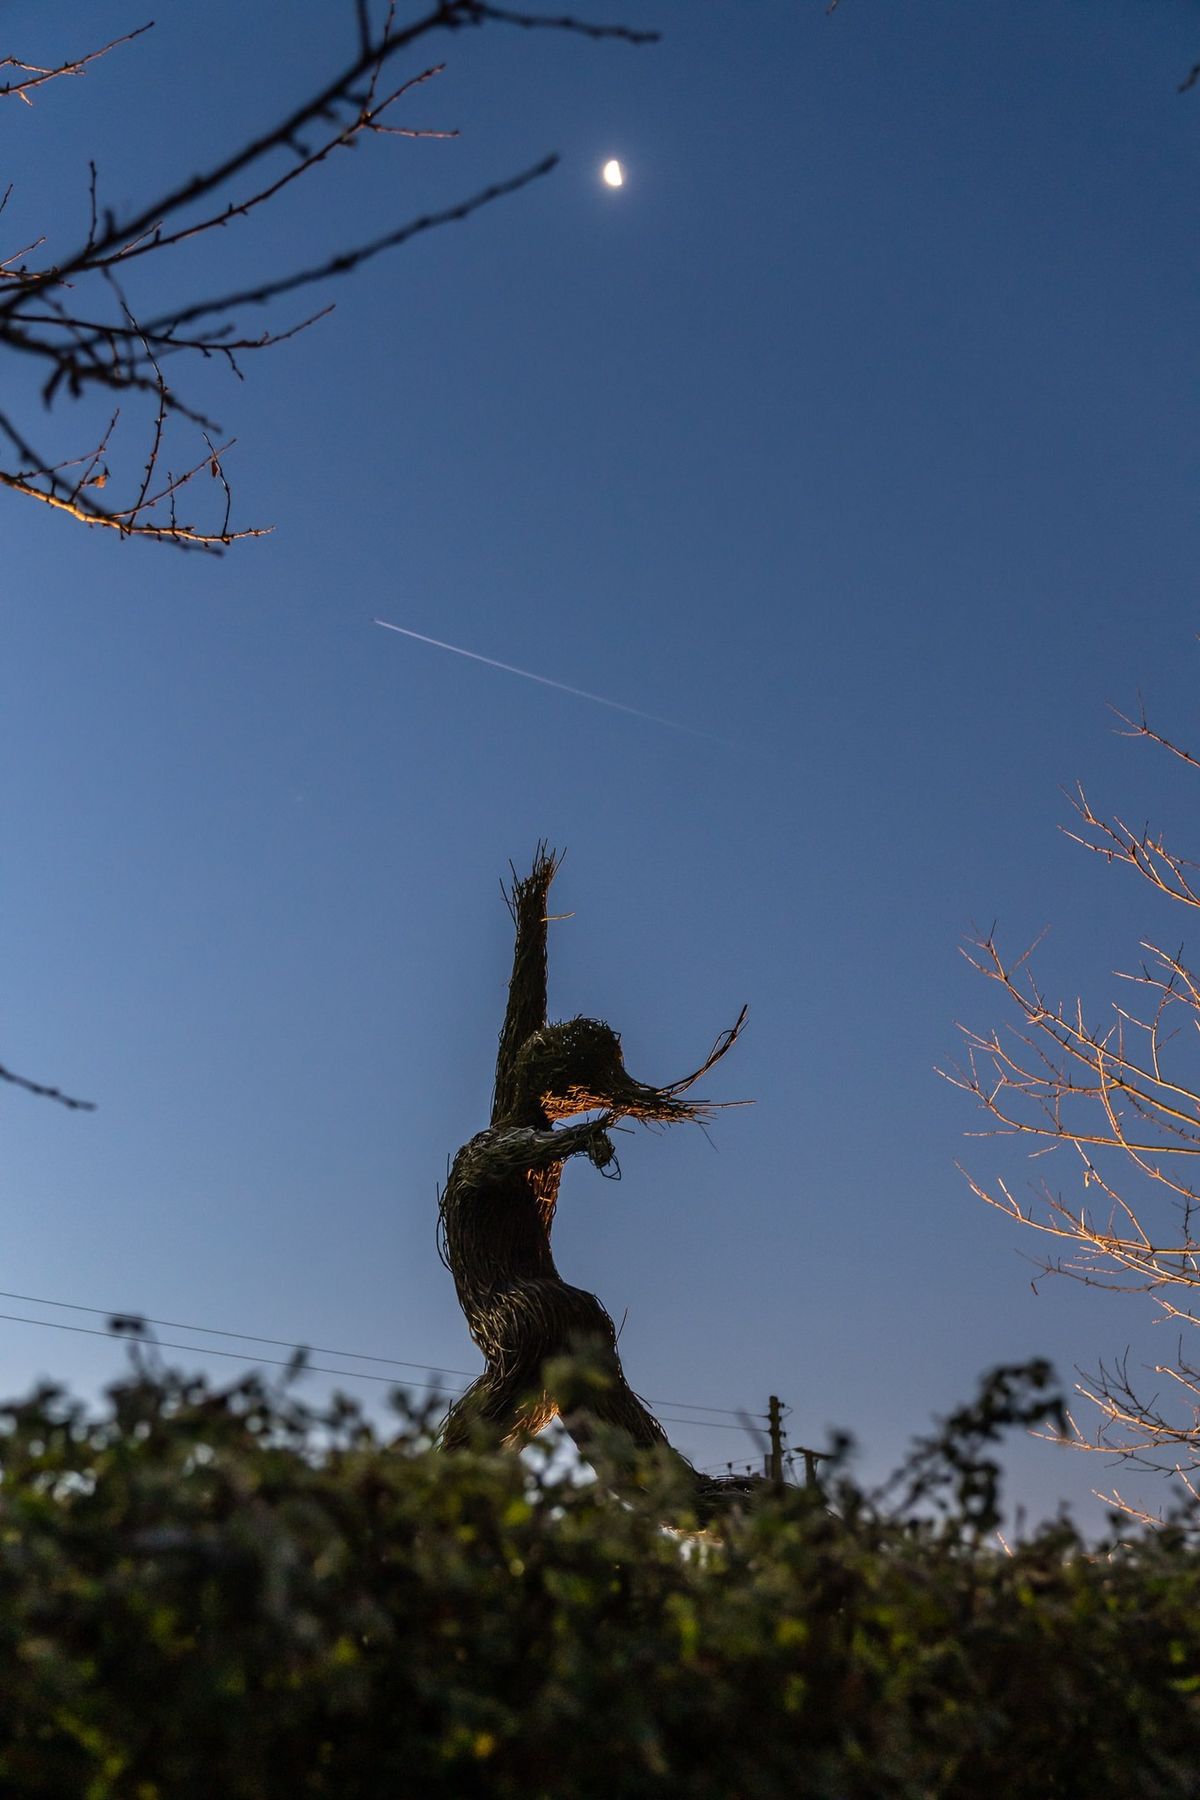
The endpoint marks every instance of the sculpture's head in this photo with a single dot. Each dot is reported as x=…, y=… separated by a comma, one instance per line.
x=577, y=1067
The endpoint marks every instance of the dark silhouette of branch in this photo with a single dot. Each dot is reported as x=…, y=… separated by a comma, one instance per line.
x=346, y=260
x=624, y=34
x=46, y=1093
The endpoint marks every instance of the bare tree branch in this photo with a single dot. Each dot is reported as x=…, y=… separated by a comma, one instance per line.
x=32, y=75
x=1122, y=1099
x=46, y=1093
x=69, y=313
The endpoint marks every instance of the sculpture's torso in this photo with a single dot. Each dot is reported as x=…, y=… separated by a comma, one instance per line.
x=495, y=1230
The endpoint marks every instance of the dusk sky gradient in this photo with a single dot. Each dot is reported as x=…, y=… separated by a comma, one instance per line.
x=857, y=429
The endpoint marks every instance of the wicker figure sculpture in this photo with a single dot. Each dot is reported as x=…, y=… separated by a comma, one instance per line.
x=497, y=1210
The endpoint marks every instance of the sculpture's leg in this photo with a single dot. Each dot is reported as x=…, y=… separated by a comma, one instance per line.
x=531, y=1327
x=508, y=1406
x=534, y=1323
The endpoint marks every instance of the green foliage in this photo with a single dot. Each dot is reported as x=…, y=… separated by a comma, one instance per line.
x=220, y=1593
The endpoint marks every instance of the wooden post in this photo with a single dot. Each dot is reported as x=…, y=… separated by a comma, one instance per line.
x=775, y=1427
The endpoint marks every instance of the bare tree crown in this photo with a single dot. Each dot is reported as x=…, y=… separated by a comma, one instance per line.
x=1121, y=1097
x=77, y=315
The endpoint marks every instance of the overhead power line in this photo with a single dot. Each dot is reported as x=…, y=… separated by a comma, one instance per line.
x=251, y=1337
x=208, y=1350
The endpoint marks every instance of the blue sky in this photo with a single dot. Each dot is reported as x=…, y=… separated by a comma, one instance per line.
x=857, y=429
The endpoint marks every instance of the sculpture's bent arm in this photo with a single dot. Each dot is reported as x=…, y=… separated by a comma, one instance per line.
x=519, y=1149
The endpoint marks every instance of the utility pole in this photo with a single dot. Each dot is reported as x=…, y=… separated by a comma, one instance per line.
x=775, y=1427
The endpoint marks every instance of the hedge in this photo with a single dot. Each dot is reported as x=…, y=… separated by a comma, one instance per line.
x=225, y=1595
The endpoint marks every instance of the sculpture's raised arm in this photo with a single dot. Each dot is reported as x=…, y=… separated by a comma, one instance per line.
x=526, y=1010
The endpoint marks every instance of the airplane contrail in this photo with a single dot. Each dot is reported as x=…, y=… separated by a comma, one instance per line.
x=545, y=681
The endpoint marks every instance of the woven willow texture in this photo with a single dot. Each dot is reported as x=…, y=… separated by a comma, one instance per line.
x=550, y=1348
